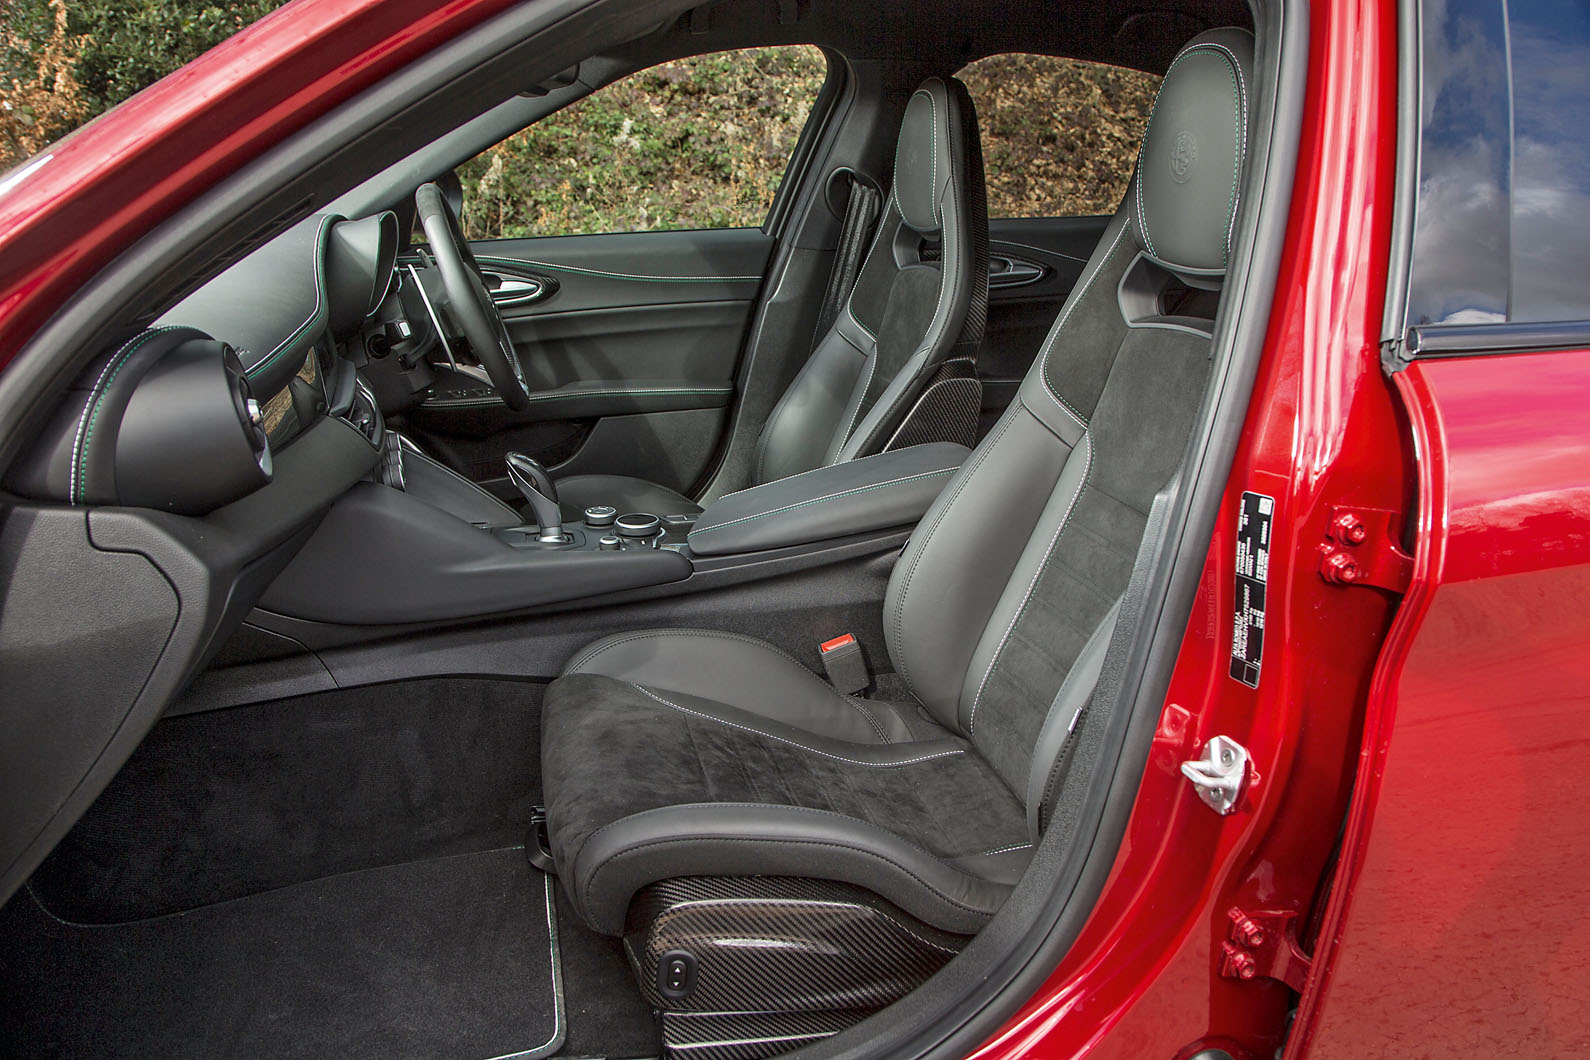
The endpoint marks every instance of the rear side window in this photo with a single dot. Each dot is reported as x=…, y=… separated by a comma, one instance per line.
x=698, y=143
x=1502, y=224
x=1060, y=136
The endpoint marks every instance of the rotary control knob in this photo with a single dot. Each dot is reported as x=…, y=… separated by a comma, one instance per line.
x=599, y=515
x=609, y=543
x=638, y=525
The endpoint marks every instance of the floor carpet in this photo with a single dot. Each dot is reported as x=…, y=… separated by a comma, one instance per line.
x=448, y=957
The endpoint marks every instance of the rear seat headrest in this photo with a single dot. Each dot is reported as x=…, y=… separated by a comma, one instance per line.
x=1189, y=171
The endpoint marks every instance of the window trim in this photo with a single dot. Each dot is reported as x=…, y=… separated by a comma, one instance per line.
x=1427, y=341
x=1403, y=343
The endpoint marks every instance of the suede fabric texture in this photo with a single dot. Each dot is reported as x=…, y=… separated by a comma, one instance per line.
x=598, y=728
x=870, y=296
x=913, y=298
x=1013, y=569
x=1138, y=425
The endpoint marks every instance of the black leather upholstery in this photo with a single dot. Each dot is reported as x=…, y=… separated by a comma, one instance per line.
x=1186, y=188
x=921, y=297
x=670, y=753
x=438, y=484
x=873, y=493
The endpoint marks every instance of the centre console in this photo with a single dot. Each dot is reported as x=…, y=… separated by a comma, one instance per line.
x=385, y=557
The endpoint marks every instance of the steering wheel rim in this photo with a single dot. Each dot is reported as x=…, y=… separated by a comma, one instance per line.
x=467, y=299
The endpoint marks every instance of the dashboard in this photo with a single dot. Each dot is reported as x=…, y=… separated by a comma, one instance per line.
x=175, y=479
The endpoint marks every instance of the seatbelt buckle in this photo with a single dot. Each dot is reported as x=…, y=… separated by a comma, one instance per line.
x=844, y=663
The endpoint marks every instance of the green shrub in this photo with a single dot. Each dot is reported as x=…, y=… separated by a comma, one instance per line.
x=112, y=49
x=698, y=143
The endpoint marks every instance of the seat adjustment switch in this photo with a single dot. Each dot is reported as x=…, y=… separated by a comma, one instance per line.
x=676, y=974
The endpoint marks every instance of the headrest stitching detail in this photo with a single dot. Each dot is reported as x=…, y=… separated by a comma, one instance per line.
x=1239, y=114
x=933, y=156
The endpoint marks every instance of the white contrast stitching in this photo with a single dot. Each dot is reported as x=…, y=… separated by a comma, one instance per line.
x=314, y=314
x=933, y=154
x=1026, y=596
x=1004, y=850
x=1060, y=324
x=978, y=456
x=793, y=743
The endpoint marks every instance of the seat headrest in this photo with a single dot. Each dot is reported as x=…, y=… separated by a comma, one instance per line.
x=1189, y=171
x=922, y=163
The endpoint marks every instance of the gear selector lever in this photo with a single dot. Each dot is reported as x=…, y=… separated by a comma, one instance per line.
x=532, y=480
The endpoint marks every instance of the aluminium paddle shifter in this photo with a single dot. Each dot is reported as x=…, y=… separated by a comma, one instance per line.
x=532, y=480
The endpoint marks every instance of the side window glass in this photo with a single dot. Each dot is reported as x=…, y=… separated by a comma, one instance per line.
x=698, y=143
x=1502, y=222
x=1060, y=136
x=1550, y=44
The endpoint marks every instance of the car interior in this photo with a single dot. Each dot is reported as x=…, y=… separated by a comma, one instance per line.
x=711, y=642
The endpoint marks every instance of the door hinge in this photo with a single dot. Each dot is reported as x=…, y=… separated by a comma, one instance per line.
x=1360, y=548
x=1263, y=944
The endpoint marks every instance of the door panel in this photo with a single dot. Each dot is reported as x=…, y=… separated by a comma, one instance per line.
x=1475, y=765
x=1021, y=306
x=630, y=343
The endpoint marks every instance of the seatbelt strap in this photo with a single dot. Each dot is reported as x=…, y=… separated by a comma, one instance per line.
x=861, y=212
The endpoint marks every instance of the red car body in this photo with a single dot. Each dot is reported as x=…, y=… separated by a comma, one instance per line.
x=1440, y=705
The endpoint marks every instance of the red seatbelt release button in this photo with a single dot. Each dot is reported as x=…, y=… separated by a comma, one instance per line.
x=842, y=659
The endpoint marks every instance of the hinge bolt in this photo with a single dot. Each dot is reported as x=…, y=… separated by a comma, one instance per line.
x=1349, y=528
x=1239, y=962
x=1244, y=930
x=1339, y=567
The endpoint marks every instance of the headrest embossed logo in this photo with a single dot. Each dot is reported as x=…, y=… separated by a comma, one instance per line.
x=1183, y=156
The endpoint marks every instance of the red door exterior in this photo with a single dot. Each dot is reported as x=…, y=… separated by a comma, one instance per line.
x=1458, y=926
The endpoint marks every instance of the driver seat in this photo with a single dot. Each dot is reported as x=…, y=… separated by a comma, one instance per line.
x=919, y=301
x=692, y=766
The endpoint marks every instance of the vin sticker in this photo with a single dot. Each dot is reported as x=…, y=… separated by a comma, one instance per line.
x=1253, y=572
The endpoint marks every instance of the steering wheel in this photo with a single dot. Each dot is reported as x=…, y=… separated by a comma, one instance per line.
x=467, y=300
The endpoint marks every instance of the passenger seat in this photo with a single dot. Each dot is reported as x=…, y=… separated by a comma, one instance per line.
x=920, y=300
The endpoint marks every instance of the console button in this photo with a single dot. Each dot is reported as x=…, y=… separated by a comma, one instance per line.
x=637, y=524
x=599, y=515
x=609, y=543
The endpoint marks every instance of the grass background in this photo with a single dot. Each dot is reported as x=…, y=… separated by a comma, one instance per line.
x=699, y=143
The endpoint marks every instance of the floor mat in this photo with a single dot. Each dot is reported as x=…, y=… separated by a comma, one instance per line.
x=606, y=1015
x=450, y=957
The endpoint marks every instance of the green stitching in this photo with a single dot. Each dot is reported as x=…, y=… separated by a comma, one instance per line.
x=99, y=403
x=318, y=314
x=550, y=396
x=636, y=277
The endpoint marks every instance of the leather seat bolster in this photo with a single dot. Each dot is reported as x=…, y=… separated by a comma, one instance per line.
x=737, y=839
